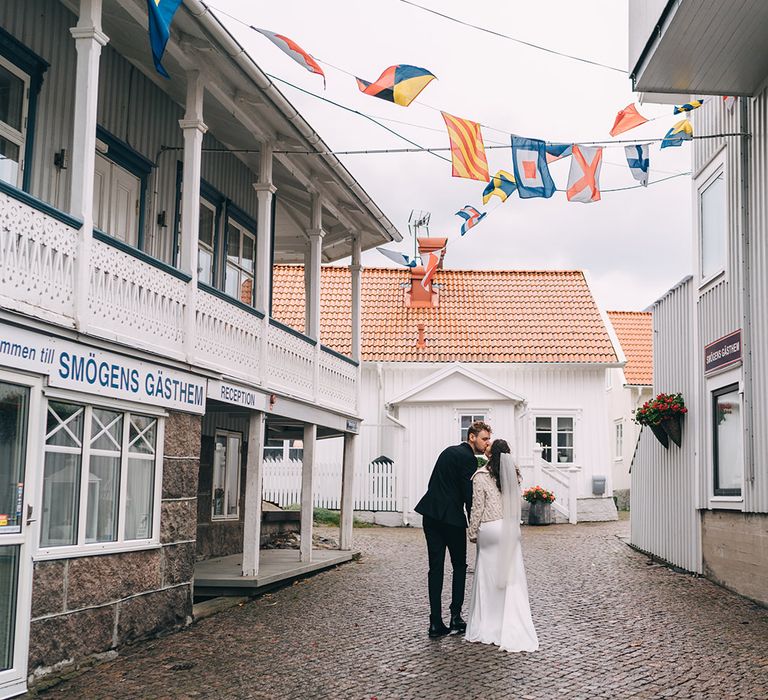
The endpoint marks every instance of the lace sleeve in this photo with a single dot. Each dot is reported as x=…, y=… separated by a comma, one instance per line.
x=478, y=502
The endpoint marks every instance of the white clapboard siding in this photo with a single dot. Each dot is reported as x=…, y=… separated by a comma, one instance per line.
x=375, y=485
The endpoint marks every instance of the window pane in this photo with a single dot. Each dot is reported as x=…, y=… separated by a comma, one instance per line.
x=544, y=436
x=233, y=474
x=106, y=430
x=65, y=424
x=543, y=423
x=249, y=253
x=9, y=582
x=207, y=219
x=10, y=157
x=233, y=244
x=142, y=435
x=219, y=476
x=11, y=98
x=729, y=455
x=61, y=495
x=246, y=289
x=205, y=266
x=713, y=226
x=232, y=281
x=103, y=496
x=140, y=494
x=13, y=448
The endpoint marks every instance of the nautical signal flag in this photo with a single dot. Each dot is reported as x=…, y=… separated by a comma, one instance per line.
x=638, y=162
x=689, y=106
x=556, y=151
x=471, y=217
x=161, y=14
x=682, y=131
x=400, y=84
x=502, y=185
x=429, y=271
x=399, y=258
x=292, y=49
x=584, y=176
x=529, y=161
x=729, y=102
x=628, y=118
x=467, y=148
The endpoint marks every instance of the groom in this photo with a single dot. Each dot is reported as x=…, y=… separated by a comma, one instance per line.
x=442, y=508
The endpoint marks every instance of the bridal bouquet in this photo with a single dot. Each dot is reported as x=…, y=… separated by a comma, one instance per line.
x=537, y=494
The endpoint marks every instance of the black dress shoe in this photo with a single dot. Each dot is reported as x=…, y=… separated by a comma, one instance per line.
x=457, y=624
x=438, y=630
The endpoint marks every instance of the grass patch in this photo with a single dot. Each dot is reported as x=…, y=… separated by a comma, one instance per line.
x=329, y=518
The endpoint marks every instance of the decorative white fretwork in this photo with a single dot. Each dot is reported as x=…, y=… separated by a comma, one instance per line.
x=290, y=362
x=338, y=382
x=37, y=256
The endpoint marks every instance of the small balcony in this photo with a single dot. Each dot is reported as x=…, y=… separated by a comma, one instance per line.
x=140, y=302
x=698, y=48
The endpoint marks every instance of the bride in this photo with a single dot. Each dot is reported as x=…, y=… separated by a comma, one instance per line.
x=499, y=611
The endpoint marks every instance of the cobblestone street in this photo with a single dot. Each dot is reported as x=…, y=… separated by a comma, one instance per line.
x=611, y=624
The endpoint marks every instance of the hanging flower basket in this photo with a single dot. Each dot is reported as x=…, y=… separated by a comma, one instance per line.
x=664, y=416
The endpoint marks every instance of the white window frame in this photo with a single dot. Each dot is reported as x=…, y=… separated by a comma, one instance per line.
x=474, y=414
x=717, y=166
x=721, y=380
x=286, y=445
x=46, y=552
x=238, y=266
x=19, y=138
x=227, y=516
x=211, y=249
x=554, y=415
x=618, y=434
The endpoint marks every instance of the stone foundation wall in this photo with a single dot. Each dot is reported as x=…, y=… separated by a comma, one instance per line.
x=90, y=605
x=735, y=551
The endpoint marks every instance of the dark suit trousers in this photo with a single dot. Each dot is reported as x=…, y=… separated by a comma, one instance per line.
x=441, y=536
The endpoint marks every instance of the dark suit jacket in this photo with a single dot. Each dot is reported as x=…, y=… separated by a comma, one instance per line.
x=450, y=486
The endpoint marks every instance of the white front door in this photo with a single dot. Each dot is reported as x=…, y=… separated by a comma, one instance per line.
x=19, y=435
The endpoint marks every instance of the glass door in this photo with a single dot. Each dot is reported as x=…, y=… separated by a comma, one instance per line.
x=15, y=582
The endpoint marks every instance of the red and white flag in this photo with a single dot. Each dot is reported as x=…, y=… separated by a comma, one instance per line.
x=584, y=176
x=429, y=272
x=295, y=51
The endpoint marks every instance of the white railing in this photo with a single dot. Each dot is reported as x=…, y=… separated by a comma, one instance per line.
x=375, y=487
x=132, y=301
x=227, y=337
x=37, y=260
x=290, y=360
x=141, y=302
x=561, y=480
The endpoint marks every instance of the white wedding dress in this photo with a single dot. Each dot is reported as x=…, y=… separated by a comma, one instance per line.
x=499, y=611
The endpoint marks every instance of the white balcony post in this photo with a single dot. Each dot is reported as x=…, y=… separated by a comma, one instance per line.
x=89, y=40
x=307, y=491
x=315, y=234
x=194, y=128
x=356, y=270
x=254, y=470
x=573, y=494
x=537, y=459
x=347, y=491
x=265, y=192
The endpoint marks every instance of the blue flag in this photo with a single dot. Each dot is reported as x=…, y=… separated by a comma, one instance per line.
x=529, y=158
x=161, y=14
x=472, y=217
x=638, y=162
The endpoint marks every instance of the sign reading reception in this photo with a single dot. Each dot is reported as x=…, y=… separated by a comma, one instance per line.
x=69, y=365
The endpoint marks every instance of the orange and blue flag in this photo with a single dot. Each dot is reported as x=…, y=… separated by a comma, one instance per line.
x=161, y=14
x=400, y=84
x=467, y=149
x=471, y=217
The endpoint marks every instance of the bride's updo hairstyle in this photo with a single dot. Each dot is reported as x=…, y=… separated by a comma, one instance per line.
x=498, y=448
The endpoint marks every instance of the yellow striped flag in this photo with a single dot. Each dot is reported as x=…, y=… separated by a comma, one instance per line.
x=467, y=149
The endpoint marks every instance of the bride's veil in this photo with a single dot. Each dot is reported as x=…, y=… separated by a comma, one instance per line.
x=510, y=498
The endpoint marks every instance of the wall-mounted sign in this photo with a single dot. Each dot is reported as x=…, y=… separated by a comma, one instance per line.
x=353, y=426
x=70, y=365
x=239, y=395
x=723, y=352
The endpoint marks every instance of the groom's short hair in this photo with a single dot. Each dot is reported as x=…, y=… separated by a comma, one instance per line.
x=477, y=427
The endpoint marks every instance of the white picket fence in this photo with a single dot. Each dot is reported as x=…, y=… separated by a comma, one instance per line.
x=375, y=487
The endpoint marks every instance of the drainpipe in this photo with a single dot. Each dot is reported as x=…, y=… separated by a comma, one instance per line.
x=237, y=53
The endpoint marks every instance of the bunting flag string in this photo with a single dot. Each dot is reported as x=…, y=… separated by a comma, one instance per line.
x=400, y=84
x=160, y=16
x=292, y=49
x=472, y=217
x=467, y=149
x=688, y=106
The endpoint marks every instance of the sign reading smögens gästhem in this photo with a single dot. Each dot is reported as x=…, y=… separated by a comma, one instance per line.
x=723, y=352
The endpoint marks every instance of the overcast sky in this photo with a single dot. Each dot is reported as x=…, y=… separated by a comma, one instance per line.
x=635, y=244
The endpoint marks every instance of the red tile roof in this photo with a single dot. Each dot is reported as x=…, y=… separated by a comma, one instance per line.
x=635, y=332
x=483, y=316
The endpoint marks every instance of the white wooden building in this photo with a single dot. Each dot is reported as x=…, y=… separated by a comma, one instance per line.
x=704, y=506
x=143, y=373
x=525, y=351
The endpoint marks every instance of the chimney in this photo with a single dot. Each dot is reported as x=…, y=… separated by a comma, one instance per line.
x=419, y=296
x=421, y=343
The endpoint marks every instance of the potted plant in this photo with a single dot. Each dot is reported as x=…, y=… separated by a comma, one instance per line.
x=540, y=512
x=664, y=416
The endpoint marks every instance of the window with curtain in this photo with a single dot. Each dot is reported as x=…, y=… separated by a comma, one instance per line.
x=555, y=435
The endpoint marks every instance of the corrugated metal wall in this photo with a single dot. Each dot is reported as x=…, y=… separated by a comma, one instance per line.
x=664, y=519
x=131, y=108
